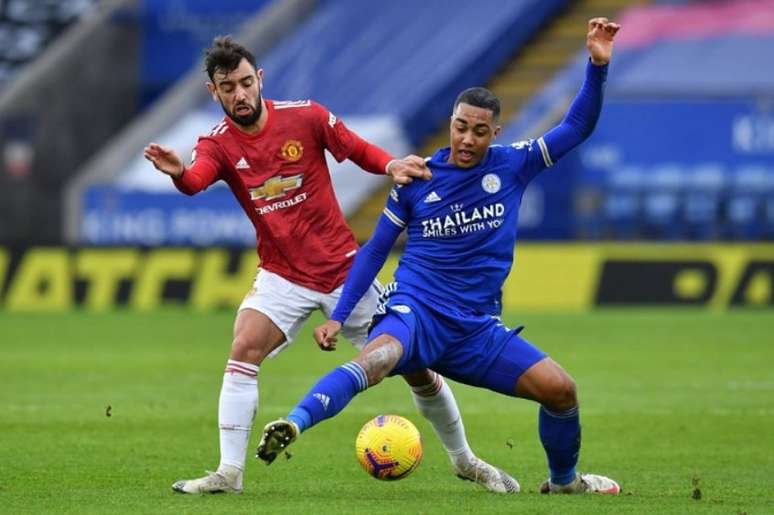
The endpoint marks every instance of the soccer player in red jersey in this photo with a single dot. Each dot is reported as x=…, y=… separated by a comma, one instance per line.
x=271, y=155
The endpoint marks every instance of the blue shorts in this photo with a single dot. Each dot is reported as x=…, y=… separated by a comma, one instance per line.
x=470, y=348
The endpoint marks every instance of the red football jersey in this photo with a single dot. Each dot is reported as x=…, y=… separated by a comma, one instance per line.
x=281, y=180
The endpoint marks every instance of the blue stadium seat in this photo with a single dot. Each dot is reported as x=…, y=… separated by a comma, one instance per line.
x=623, y=203
x=19, y=44
x=702, y=202
x=27, y=26
x=768, y=229
x=408, y=61
x=745, y=208
x=662, y=191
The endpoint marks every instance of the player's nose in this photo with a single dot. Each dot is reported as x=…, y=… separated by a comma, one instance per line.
x=240, y=95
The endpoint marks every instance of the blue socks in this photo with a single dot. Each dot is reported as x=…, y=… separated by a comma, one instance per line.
x=329, y=396
x=560, y=431
x=560, y=434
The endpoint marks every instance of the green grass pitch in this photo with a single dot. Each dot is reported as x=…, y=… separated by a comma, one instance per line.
x=678, y=406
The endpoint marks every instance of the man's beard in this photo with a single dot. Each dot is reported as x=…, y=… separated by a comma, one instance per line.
x=249, y=119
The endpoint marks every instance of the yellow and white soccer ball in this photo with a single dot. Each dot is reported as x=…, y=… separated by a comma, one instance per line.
x=389, y=447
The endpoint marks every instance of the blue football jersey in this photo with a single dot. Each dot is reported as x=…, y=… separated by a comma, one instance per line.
x=461, y=225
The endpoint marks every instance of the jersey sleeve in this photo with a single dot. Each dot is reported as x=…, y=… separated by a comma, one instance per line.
x=204, y=169
x=343, y=143
x=398, y=208
x=531, y=157
x=575, y=127
x=335, y=136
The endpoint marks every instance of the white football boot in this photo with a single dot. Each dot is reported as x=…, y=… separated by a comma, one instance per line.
x=226, y=479
x=484, y=474
x=583, y=484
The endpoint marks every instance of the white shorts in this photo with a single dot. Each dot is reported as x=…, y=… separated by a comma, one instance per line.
x=289, y=305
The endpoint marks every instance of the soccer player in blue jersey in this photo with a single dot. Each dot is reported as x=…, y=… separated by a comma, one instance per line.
x=442, y=312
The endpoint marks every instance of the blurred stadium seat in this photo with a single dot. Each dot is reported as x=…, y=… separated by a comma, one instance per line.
x=391, y=63
x=622, y=205
x=702, y=203
x=748, y=196
x=661, y=204
x=63, y=101
x=690, y=106
x=27, y=26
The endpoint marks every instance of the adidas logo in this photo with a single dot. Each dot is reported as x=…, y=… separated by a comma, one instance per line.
x=432, y=197
x=324, y=399
x=242, y=164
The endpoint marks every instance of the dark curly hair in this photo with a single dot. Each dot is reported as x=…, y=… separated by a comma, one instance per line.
x=224, y=55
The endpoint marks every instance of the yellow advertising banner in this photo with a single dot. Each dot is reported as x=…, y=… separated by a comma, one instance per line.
x=561, y=277
x=576, y=276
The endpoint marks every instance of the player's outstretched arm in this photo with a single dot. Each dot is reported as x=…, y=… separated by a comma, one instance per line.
x=191, y=180
x=164, y=159
x=374, y=159
x=368, y=261
x=582, y=116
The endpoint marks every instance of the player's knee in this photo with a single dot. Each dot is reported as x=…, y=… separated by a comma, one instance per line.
x=248, y=349
x=379, y=359
x=375, y=371
x=562, y=394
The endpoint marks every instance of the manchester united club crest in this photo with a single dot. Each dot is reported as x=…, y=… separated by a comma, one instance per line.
x=292, y=150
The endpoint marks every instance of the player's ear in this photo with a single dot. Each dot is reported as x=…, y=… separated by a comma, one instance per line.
x=212, y=90
x=497, y=131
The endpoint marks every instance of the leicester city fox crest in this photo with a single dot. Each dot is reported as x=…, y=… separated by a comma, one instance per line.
x=491, y=183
